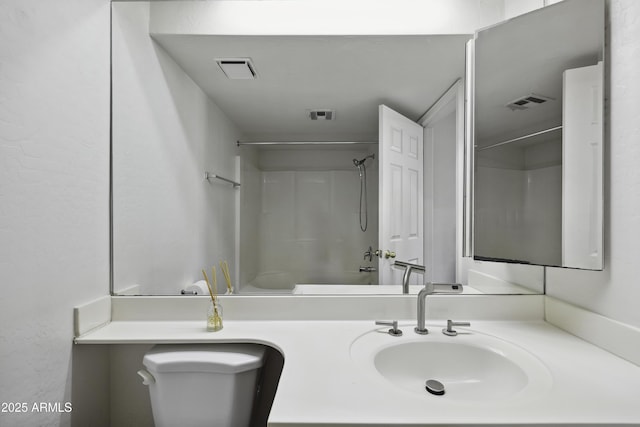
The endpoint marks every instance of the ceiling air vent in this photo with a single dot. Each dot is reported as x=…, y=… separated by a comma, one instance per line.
x=237, y=68
x=322, y=114
x=529, y=101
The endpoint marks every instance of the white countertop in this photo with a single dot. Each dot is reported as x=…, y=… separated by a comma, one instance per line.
x=322, y=386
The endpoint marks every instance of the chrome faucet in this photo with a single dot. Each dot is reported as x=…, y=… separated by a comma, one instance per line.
x=432, y=288
x=408, y=268
x=368, y=254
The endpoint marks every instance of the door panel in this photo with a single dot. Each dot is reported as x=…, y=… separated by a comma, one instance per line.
x=401, y=194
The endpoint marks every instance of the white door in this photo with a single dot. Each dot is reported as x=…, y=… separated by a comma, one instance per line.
x=401, y=195
x=582, y=167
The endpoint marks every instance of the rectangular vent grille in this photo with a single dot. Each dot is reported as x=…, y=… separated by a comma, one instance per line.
x=237, y=68
x=529, y=101
x=322, y=115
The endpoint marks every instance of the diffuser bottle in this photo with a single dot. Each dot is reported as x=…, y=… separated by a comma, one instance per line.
x=214, y=316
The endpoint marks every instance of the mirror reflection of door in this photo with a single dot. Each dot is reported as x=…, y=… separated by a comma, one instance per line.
x=401, y=232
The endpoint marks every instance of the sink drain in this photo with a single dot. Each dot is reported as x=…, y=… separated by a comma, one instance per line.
x=435, y=387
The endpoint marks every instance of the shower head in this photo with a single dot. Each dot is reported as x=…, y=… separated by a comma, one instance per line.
x=360, y=162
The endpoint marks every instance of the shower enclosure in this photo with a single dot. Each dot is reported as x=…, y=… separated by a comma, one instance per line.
x=307, y=216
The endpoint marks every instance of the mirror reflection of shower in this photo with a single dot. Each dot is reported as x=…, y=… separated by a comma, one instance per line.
x=362, y=170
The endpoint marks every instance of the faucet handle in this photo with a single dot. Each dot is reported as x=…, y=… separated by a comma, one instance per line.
x=449, y=329
x=394, y=331
x=368, y=253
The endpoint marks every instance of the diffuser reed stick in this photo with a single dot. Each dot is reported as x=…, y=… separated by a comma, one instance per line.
x=225, y=270
x=214, y=298
x=215, y=282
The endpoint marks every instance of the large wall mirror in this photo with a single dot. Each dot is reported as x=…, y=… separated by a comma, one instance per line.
x=191, y=188
x=538, y=164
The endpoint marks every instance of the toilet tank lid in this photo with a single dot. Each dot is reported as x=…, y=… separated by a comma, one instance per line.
x=218, y=358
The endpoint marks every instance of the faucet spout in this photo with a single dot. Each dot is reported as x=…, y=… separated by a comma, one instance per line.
x=429, y=289
x=408, y=269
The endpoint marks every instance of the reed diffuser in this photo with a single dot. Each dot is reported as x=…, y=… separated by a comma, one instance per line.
x=214, y=311
x=225, y=270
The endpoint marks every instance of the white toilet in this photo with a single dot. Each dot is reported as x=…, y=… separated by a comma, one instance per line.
x=202, y=385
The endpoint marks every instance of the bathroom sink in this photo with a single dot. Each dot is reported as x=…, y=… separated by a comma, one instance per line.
x=469, y=367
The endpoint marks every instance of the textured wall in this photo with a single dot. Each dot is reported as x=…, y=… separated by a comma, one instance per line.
x=54, y=187
x=615, y=292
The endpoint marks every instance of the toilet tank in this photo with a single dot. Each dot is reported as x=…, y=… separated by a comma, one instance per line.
x=203, y=385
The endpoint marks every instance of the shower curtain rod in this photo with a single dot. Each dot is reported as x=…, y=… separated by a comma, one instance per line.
x=520, y=138
x=304, y=142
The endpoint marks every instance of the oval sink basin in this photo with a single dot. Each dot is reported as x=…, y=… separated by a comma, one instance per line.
x=470, y=366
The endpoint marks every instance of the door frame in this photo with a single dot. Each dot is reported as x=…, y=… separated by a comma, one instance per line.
x=452, y=100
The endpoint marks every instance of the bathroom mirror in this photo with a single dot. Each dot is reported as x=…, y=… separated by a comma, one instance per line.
x=538, y=140
x=191, y=188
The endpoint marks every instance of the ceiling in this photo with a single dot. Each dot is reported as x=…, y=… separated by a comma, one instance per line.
x=349, y=74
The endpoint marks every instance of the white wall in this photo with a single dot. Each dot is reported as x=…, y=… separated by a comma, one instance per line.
x=282, y=17
x=615, y=292
x=543, y=215
x=498, y=212
x=54, y=202
x=513, y=8
x=519, y=202
x=169, y=223
x=251, y=199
